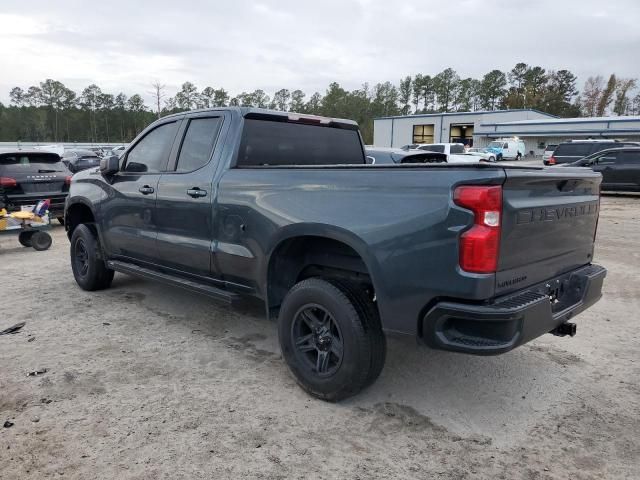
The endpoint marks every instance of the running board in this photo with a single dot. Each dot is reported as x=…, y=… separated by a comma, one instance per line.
x=208, y=290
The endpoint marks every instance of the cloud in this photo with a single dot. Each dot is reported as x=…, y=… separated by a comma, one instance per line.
x=243, y=45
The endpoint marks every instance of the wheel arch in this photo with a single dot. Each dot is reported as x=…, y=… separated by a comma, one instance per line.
x=77, y=212
x=302, y=251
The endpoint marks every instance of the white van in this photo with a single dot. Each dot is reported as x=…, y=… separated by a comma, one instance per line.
x=508, y=149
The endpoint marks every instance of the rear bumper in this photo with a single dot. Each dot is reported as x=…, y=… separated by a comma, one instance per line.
x=56, y=208
x=512, y=320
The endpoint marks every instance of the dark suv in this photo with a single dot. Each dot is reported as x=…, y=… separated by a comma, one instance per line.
x=569, y=152
x=620, y=168
x=28, y=176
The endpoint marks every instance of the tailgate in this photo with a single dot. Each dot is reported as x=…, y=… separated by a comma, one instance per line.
x=549, y=224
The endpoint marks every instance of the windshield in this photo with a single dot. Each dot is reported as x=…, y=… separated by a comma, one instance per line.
x=495, y=145
x=33, y=162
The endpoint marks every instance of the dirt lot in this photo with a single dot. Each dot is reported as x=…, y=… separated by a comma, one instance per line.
x=145, y=381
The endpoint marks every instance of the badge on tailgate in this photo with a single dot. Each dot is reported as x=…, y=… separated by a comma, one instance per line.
x=553, y=214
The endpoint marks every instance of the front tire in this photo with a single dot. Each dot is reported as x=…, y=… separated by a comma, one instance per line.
x=89, y=269
x=331, y=338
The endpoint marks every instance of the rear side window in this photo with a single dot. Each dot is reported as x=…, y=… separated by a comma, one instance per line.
x=574, y=149
x=457, y=148
x=630, y=157
x=605, y=146
x=150, y=154
x=281, y=143
x=198, y=142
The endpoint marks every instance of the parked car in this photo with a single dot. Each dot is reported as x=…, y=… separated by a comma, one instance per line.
x=620, y=168
x=484, y=153
x=283, y=207
x=548, y=153
x=454, y=151
x=508, y=149
x=28, y=176
x=80, y=159
x=573, y=150
x=119, y=150
x=382, y=156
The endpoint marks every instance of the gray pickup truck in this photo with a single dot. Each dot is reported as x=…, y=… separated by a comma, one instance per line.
x=472, y=258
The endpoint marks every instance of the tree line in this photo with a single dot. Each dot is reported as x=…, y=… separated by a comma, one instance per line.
x=51, y=112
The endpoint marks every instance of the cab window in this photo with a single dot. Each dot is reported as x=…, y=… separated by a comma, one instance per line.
x=150, y=154
x=198, y=143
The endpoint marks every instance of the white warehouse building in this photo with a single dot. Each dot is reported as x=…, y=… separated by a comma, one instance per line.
x=536, y=128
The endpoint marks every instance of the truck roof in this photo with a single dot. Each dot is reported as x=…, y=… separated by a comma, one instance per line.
x=252, y=112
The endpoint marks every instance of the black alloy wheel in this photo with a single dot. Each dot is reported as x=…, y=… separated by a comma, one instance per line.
x=318, y=340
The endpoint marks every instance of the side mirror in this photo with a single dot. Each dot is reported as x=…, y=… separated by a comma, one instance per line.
x=371, y=160
x=109, y=165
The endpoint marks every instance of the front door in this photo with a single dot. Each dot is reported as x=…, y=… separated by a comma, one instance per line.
x=129, y=213
x=186, y=195
x=607, y=165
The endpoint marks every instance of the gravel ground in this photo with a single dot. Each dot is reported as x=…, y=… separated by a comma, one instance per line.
x=146, y=382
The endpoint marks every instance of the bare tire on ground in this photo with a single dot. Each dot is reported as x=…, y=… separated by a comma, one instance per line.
x=331, y=337
x=89, y=269
x=24, y=237
x=41, y=241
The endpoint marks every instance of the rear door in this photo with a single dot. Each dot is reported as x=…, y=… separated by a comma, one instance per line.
x=129, y=220
x=186, y=195
x=628, y=174
x=548, y=226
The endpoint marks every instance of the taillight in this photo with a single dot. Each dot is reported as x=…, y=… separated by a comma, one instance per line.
x=8, y=182
x=67, y=180
x=552, y=160
x=479, y=246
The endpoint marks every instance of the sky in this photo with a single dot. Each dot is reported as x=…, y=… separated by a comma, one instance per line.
x=126, y=45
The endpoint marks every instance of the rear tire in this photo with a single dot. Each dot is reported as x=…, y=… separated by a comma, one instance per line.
x=24, y=237
x=331, y=338
x=369, y=312
x=89, y=269
x=41, y=241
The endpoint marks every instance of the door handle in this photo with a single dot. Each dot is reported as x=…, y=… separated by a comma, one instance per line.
x=146, y=190
x=196, y=192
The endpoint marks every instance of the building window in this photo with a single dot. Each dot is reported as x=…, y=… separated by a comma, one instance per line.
x=423, y=133
x=461, y=134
